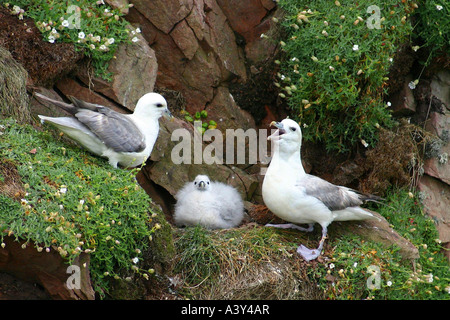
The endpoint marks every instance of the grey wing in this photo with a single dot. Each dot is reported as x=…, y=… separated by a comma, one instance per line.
x=115, y=130
x=85, y=105
x=334, y=197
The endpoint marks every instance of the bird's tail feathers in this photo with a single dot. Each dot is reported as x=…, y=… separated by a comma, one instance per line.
x=83, y=104
x=366, y=197
x=63, y=105
x=354, y=213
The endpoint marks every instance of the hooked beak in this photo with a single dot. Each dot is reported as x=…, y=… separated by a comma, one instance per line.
x=277, y=134
x=167, y=114
x=202, y=185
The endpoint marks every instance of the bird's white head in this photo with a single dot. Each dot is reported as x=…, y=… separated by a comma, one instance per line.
x=152, y=105
x=202, y=182
x=288, y=135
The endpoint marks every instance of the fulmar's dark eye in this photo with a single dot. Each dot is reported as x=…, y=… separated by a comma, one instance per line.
x=195, y=183
x=293, y=129
x=159, y=105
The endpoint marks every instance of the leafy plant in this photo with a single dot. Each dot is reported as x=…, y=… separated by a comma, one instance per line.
x=336, y=60
x=91, y=26
x=356, y=264
x=75, y=203
x=199, y=116
x=433, y=25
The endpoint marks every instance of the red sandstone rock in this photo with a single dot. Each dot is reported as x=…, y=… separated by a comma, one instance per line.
x=48, y=269
x=164, y=14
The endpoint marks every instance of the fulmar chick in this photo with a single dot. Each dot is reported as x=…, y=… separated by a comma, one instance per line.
x=213, y=205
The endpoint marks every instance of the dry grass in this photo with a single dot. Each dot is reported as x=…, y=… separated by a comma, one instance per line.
x=10, y=181
x=397, y=159
x=250, y=262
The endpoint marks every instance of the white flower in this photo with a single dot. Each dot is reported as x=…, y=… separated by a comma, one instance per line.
x=81, y=35
x=415, y=48
x=135, y=260
x=103, y=48
x=389, y=283
x=439, y=7
x=331, y=265
x=412, y=84
x=51, y=39
x=355, y=47
x=388, y=103
x=65, y=23
x=429, y=277
x=111, y=40
x=331, y=68
x=355, y=264
x=135, y=39
x=138, y=30
x=364, y=143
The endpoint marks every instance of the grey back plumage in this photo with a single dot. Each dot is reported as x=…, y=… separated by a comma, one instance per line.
x=115, y=130
x=334, y=197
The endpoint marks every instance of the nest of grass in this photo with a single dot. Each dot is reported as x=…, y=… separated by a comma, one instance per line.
x=397, y=159
x=45, y=62
x=14, y=100
x=250, y=262
x=10, y=181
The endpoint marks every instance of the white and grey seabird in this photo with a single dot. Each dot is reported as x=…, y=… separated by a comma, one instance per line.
x=124, y=139
x=300, y=198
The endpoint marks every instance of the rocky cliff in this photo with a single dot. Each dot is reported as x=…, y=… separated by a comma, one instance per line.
x=209, y=55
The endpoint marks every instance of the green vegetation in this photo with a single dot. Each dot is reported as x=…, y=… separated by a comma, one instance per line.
x=200, y=116
x=212, y=262
x=337, y=57
x=354, y=263
x=73, y=203
x=91, y=26
x=433, y=26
